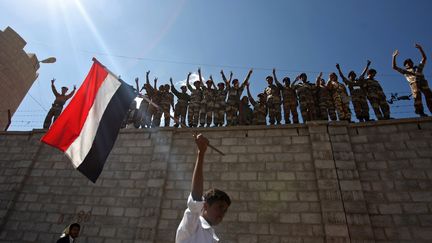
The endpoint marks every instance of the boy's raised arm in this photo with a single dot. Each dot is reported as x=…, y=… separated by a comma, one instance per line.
x=198, y=177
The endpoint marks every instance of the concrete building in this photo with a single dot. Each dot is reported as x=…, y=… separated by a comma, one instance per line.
x=314, y=182
x=18, y=71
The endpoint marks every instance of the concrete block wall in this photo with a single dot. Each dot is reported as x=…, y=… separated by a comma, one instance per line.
x=394, y=162
x=319, y=182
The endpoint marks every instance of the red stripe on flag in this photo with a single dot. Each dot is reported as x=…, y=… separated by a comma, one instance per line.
x=68, y=125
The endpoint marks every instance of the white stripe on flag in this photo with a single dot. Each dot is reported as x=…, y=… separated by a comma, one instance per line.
x=83, y=143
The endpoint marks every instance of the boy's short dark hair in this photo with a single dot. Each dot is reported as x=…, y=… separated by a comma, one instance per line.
x=74, y=225
x=213, y=195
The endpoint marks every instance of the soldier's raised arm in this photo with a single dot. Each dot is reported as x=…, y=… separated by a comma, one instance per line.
x=251, y=99
x=147, y=82
x=137, y=84
x=365, y=69
x=173, y=89
x=318, y=79
x=293, y=84
x=224, y=78
x=420, y=48
x=155, y=83
x=71, y=93
x=188, y=84
x=247, y=78
x=276, y=80
x=344, y=79
x=200, y=77
x=213, y=83
x=53, y=88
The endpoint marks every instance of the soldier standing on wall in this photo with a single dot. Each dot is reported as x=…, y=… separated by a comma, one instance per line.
x=289, y=100
x=273, y=99
x=357, y=91
x=220, y=103
x=325, y=101
x=375, y=95
x=195, y=102
x=234, y=93
x=58, y=104
x=181, y=106
x=417, y=81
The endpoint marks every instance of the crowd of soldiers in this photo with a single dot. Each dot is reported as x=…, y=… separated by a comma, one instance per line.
x=209, y=104
x=222, y=104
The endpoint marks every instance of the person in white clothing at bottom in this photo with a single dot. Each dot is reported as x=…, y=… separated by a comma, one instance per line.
x=203, y=211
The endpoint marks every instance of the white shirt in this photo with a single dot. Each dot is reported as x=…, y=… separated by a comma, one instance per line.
x=194, y=228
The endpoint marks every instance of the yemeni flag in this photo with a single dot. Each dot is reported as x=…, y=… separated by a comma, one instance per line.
x=87, y=129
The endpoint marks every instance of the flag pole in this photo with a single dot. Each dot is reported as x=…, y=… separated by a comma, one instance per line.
x=156, y=106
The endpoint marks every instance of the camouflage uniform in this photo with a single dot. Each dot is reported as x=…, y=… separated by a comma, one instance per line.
x=259, y=113
x=194, y=105
x=306, y=100
x=325, y=104
x=181, y=106
x=156, y=97
x=245, y=114
x=340, y=100
x=377, y=99
x=418, y=85
x=233, y=103
x=220, y=106
x=167, y=100
x=274, y=102
x=207, y=106
x=289, y=104
x=314, y=91
x=358, y=98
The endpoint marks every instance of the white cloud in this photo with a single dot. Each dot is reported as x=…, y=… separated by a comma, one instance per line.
x=194, y=77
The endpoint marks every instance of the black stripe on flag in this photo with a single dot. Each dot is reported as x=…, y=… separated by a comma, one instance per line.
x=107, y=132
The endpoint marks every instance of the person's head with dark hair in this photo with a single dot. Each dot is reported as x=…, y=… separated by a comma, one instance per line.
x=371, y=73
x=162, y=87
x=197, y=84
x=352, y=75
x=408, y=63
x=303, y=77
x=262, y=98
x=286, y=81
x=74, y=230
x=64, y=90
x=323, y=82
x=235, y=82
x=215, y=206
x=183, y=88
x=209, y=83
x=244, y=100
x=333, y=77
x=167, y=87
x=221, y=86
x=269, y=80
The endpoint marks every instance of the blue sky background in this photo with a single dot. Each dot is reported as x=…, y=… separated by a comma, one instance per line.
x=172, y=38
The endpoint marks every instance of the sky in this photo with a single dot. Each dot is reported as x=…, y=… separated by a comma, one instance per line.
x=171, y=38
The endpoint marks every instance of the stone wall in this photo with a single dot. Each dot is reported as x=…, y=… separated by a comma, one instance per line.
x=17, y=73
x=319, y=182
